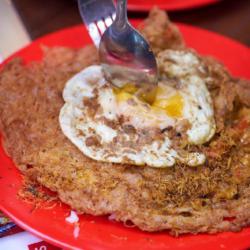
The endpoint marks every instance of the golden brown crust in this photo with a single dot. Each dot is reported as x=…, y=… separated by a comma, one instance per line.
x=211, y=198
x=160, y=32
x=228, y=93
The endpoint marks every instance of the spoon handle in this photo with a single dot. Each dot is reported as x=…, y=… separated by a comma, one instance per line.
x=121, y=13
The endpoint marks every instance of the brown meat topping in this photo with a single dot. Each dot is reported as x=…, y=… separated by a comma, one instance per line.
x=160, y=32
x=92, y=141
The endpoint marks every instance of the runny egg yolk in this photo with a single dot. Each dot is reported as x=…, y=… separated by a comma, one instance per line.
x=125, y=93
x=123, y=96
x=172, y=105
x=128, y=88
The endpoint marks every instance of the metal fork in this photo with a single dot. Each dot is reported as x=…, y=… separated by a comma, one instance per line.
x=97, y=16
x=125, y=56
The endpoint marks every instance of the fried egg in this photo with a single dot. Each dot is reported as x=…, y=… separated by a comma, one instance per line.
x=115, y=125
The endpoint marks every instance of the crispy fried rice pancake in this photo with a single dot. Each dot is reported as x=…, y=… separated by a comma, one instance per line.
x=211, y=198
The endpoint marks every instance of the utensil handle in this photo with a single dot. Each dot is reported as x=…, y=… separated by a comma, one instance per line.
x=121, y=13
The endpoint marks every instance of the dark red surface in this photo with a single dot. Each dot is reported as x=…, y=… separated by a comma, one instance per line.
x=99, y=232
x=146, y=5
x=42, y=246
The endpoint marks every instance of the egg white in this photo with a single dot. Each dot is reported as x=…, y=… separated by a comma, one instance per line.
x=197, y=110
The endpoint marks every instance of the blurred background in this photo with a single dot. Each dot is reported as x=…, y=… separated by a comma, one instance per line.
x=21, y=21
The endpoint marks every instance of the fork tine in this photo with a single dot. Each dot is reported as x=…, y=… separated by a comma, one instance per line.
x=97, y=16
x=94, y=33
x=108, y=21
x=113, y=16
x=101, y=26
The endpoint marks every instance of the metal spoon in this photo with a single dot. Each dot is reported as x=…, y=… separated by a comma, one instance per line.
x=126, y=56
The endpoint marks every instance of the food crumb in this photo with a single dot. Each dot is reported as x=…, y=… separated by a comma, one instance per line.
x=72, y=218
x=76, y=230
x=111, y=217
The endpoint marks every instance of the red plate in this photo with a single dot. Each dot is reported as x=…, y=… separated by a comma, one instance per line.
x=99, y=232
x=146, y=5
